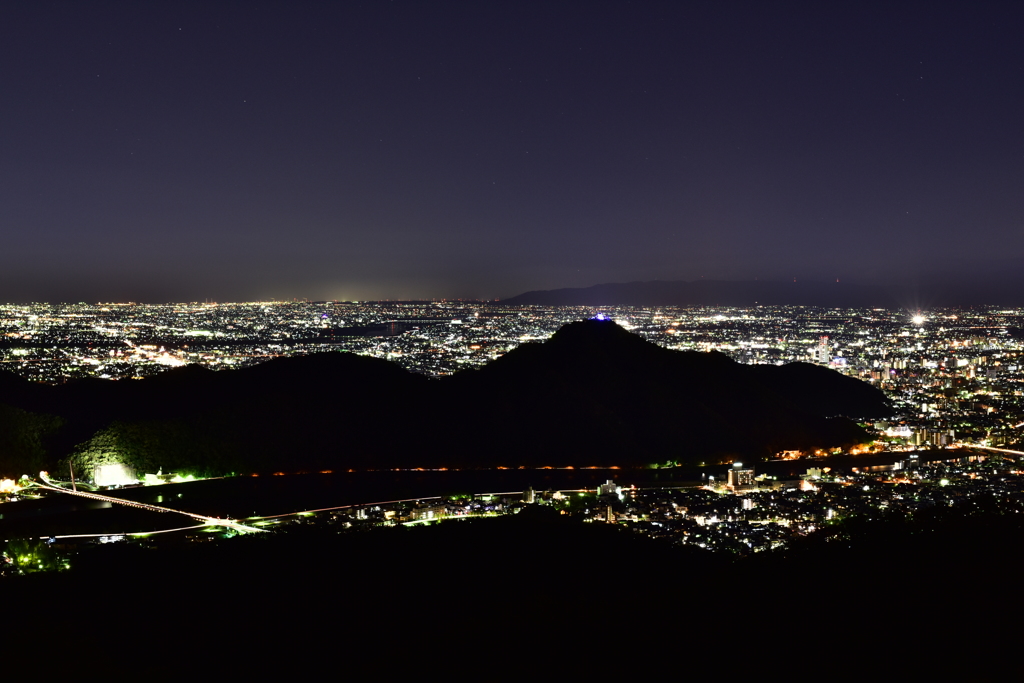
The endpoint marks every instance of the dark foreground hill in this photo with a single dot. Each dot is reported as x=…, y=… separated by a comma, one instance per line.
x=594, y=394
x=545, y=593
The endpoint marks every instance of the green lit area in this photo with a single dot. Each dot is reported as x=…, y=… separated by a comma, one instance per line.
x=28, y=556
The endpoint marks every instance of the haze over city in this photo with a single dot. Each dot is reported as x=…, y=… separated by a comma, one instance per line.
x=239, y=152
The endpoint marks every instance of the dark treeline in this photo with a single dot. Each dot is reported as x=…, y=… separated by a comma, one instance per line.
x=594, y=394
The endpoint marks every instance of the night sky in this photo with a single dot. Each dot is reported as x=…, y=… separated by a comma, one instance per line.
x=221, y=151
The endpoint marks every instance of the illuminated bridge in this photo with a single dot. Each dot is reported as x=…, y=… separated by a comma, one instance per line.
x=210, y=521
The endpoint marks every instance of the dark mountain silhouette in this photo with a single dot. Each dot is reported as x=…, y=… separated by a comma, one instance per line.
x=821, y=391
x=601, y=395
x=594, y=394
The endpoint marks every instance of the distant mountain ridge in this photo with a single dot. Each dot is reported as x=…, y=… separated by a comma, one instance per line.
x=594, y=394
x=935, y=291
x=711, y=293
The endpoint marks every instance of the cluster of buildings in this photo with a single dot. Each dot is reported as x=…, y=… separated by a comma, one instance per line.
x=57, y=342
x=747, y=513
x=427, y=510
x=743, y=512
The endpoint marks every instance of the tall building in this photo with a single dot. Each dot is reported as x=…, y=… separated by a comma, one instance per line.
x=741, y=478
x=821, y=353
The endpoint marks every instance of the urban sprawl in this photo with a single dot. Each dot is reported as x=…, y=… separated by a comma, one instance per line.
x=954, y=375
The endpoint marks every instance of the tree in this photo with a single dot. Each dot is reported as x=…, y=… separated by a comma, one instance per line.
x=22, y=437
x=32, y=555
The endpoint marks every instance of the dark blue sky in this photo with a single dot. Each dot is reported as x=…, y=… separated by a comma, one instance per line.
x=239, y=151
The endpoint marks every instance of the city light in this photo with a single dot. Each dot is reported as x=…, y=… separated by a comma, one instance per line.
x=954, y=387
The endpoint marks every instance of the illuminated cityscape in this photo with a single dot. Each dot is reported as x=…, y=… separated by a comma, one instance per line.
x=503, y=328
x=954, y=376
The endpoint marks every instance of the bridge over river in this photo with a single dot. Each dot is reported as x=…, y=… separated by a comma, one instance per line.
x=206, y=520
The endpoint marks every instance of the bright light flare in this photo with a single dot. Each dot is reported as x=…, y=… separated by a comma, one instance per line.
x=918, y=320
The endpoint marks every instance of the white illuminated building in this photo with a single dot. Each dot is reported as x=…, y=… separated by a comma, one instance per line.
x=113, y=475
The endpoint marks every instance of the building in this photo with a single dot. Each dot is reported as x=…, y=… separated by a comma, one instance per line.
x=609, y=489
x=821, y=353
x=427, y=513
x=740, y=478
